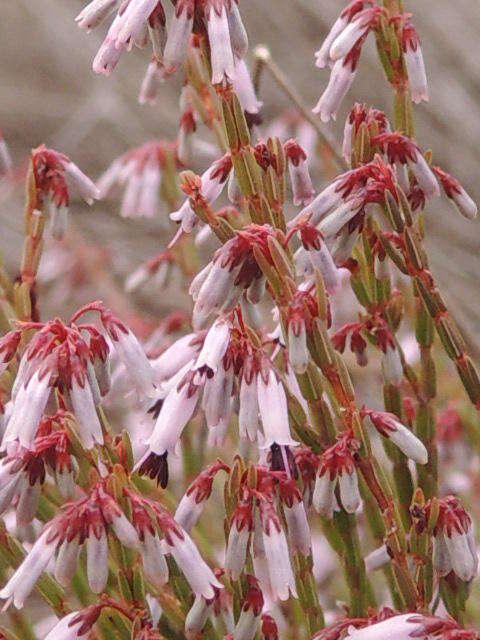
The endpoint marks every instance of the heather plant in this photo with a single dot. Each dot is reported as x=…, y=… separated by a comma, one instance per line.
x=297, y=455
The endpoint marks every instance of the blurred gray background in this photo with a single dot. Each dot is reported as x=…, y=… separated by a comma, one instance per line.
x=49, y=94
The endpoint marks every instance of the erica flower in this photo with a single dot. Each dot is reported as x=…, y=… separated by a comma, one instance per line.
x=397, y=627
x=295, y=516
x=337, y=465
x=241, y=527
x=388, y=425
x=5, y=158
x=341, y=79
x=454, y=544
x=456, y=194
x=272, y=403
x=319, y=255
x=401, y=150
x=140, y=171
x=282, y=581
x=249, y=619
x=226, y=34
x=76, y=624
x=23, y=471
x=243, y=87
x=88, y=521
x=345, y=18
x=414, y=62
x=209, y=187
x=191, y=505
x=56, y=176
x=302, y=186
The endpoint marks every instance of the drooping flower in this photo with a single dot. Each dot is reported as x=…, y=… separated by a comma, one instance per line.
x=454, y=543
x=140, y=171
x=302, y=186
x=337, y=466
x=389, y=426
x=456, y=194
x=412, y=52
x=88, y=521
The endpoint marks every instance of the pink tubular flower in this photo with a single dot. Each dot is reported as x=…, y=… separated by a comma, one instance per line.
x=130, y=353
x=178, y=37
x=191, y=505
x=280, y=571
x=139, y=171
x=456, y=194
x=341, y=79
x=75, y=625
x=153, y=78
x=241, y=527
x=337, y=465
x=295, y=517
x=388, y=425
x=320, y=256
x=415, y=65
x=345, y=18
x=302, y=186
x=87, y=520
x=248, y=403
x=23, y=471
x=454, y=544
x=356, y=29
x=243, y=87
x=55, y=177
x=210, y=188
x=401, y=149
x=6, y=163
x=272, y=403
x=249, y=619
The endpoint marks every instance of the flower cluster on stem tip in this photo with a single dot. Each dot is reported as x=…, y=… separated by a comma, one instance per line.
x=292, y=449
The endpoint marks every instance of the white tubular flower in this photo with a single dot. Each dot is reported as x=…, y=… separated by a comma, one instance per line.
x=243, y=87
x=349, y=492
x=341, y=79
x=394, y=628
x=176, y=411
x=424, y=175
x=298, y=354
x=154, y=563
x=220, y=45
x=6, y=163
x=175, y=357
x=153, y=78
x=345, y=40
x=272, y=403
x=376, y=559
x=66, y=629
x=20, y=585
x=67, y=559
x=240, y=529
x=80, y=182
x=217, y=395
x=412, y=52
x=456, y=194
x=214, y=346
x=134, y=21
x=238, y=33
x=196, y=617
x=392, y=366
x=97, y=561
x=131, y=354
x=95, y=13
x=327, y=200
x=88, y=424
x=280, y=571
x=28, y=408
x=248, y=409
x=298, y=527
x=198, y=575
x=324, y=495
x=337, y=219
x=323, y=54
x=302, y=186
x=388, y=425
x=178, y=37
